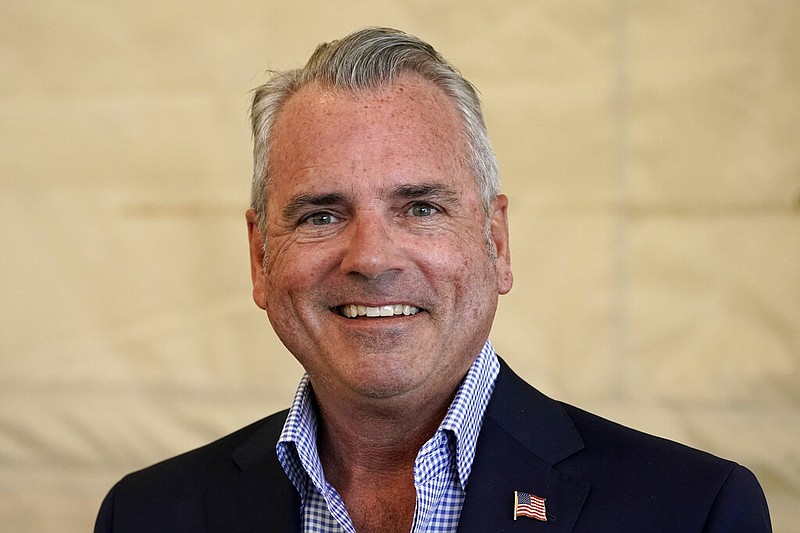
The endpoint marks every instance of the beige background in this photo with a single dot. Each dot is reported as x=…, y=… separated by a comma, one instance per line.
x=651, y=151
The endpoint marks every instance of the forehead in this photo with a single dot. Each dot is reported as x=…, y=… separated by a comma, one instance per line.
x=409, y=102
x=406, y=127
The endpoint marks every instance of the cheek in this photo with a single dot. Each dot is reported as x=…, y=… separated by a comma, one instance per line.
x=287, y=262
x=295, y=276
x=465, y=264
x=280, y=281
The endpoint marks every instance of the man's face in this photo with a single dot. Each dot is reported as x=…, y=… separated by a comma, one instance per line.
x=373, y=211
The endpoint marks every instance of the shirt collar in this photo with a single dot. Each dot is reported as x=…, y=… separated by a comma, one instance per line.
x=465, y=415
x=297, y=445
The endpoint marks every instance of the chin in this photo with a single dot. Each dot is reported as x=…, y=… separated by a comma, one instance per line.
x=384, y=385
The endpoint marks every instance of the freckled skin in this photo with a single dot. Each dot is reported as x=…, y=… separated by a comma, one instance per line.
x=370, y=204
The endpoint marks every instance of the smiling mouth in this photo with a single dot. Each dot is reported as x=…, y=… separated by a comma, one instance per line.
x=355, y=311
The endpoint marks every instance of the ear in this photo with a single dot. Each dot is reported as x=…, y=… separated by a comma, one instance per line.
x=256, y=259
x=499, y=235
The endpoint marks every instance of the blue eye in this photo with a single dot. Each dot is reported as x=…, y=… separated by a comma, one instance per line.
x=320, y=219
x=422, y=210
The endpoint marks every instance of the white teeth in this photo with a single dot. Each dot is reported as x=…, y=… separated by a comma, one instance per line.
x=353, y=311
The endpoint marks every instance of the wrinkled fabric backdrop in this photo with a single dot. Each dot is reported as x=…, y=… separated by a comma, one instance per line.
x=651, y=152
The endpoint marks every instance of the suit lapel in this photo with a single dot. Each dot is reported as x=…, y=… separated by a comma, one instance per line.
x=524, y=434
x=257, y=496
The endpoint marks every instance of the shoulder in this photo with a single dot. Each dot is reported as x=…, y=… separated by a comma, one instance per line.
x=658, y=475
x=172, y=492
x=629, y=472
x=608, y=443
x=585, y=438
x=212, y=460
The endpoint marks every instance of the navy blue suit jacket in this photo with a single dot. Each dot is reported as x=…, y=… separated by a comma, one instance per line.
x=595, y=475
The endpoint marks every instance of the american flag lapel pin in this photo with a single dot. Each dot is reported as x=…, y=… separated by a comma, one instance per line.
x=529, y=505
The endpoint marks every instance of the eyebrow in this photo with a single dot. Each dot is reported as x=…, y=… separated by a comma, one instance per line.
x=302, y=201
x=426, y=190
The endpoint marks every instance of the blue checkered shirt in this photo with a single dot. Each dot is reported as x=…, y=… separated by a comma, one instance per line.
x=441, y=470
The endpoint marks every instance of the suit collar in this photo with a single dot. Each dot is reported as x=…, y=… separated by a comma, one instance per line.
x=257, y=496
x=524, y=435
x=539, y=423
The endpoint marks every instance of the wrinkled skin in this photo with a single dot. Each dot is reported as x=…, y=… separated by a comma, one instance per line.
x=370, y=203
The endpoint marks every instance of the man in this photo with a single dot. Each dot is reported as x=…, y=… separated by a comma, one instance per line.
x=379, y=246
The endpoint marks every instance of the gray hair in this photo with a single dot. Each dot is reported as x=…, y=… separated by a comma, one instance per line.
x=365, y=60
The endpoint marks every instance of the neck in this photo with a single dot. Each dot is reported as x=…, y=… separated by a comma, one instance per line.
x=381, y=433
x=369, y=455
x=384, y=439
x=368, y=447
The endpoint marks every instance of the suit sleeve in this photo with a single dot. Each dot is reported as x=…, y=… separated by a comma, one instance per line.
x=740, y=506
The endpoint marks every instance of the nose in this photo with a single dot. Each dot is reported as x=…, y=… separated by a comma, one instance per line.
x=372, y=248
